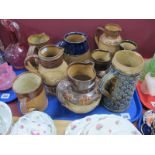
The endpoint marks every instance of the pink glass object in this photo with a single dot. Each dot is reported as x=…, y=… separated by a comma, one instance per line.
x=7, y=76
x=16, y=51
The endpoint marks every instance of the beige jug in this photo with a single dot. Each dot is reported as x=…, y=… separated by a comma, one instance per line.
x=110, y=38
x=50, y=65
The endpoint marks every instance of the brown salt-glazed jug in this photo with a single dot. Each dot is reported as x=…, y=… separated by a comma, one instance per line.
x=50, y=65
x=108, y=38
x=79, y=93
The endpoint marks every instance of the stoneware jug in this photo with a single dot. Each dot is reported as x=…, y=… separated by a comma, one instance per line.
x=50, y=65
x=36, y=41
x=102, y=60
x=16, y=51
x=108, y=37
x=79, y=93
x=76, y=47
x=30, y=92
x=119, y=83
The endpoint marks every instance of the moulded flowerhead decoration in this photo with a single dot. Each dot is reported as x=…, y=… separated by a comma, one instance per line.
x=7, y=76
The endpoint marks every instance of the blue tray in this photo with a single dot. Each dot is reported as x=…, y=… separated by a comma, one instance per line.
x=9, y=95
x=56, y=111
x=19, y=71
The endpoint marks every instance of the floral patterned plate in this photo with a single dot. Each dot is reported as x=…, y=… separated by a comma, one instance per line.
x=102, y=125
x=113, y=125
x=34, y=123
x=77, y=127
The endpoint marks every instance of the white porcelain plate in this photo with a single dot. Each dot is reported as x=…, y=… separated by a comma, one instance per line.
x=102, y=125
x=34, y=123
x=5, y=118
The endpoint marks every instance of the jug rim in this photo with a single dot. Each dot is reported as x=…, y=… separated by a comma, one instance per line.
x=99, y=50
x=30, y=92
x=129, y=41
x=29, y=39
x=74, y=33
x=119, y=29
x=57, y=56
x=128, y=69
x=81, y=63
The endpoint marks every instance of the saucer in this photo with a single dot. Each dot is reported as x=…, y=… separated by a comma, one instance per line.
x=34, y=123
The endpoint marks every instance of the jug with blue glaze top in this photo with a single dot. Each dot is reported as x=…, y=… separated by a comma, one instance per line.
x=76, y=47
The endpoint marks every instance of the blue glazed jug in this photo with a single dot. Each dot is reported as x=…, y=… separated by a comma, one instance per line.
x=76, y=47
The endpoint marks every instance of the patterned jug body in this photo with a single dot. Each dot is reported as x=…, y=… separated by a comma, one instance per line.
x=119, y=83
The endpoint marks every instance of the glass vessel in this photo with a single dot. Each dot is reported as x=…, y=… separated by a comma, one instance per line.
x=16, y=51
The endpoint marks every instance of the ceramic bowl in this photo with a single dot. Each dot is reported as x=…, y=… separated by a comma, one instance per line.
x=34, y=123
x=5, y=118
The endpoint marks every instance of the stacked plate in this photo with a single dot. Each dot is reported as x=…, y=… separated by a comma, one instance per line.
x=5, y=118
x=34, y=123
x=102, y=125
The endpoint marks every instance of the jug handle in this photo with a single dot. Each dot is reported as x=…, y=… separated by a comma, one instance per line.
x=98, y=30
x=29, y=66
x=31, y=50
x=24, y=108
x=103, y=82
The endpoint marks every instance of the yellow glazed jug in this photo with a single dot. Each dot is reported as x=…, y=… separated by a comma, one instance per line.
x=37, y=41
